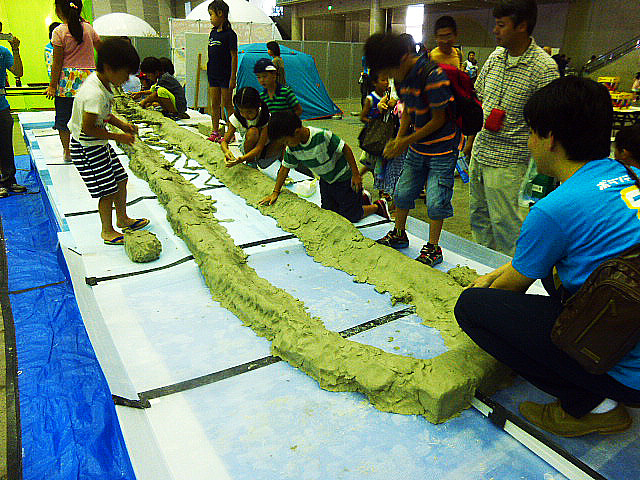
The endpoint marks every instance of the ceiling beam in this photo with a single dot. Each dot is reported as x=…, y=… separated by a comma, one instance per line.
x=319, y=8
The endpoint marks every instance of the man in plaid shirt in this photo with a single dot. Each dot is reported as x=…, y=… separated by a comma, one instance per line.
x=500, y=156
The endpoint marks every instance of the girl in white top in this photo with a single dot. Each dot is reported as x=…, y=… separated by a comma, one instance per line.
x=250, y=118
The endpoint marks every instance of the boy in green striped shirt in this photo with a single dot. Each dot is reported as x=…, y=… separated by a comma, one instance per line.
x=328, y=157
x=277, y=97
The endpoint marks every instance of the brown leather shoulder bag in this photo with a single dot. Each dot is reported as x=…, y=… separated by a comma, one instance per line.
x=600, y=323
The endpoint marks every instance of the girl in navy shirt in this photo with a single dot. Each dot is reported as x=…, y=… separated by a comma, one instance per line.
x=222, y=64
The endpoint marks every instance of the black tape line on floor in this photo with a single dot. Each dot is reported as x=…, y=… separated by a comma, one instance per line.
x=209, y=378
x=136, y=200
x=290, y=236
x=129, y=203
x=375, y=224
x=125, y=402
x=499, y=416
x=376, y=322
x=55, y=134
x=259, y=363
x=93, y=281
x=267, y=241
x=12, y=411
x=24, y=290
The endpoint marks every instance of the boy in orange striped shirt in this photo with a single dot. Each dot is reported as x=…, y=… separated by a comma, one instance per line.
x=432, y=141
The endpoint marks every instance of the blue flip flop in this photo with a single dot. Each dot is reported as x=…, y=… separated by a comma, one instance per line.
x=119, y=240
x=137, y=225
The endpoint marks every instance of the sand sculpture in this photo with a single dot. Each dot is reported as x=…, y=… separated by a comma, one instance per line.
x=436, y=388
x=464, y=276
x=142, y=246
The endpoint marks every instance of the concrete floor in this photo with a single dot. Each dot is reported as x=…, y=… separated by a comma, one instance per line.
x=348, y=129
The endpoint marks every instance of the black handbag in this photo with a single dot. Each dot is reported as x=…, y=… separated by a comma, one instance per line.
x=375, y=134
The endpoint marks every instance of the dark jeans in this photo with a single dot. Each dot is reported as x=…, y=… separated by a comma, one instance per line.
x=515, y=328
x=64, y=110
x=339, y=197
x=7, y=165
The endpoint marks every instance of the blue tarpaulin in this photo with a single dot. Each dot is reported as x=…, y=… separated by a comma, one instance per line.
x=302, y=77
x=69, y=425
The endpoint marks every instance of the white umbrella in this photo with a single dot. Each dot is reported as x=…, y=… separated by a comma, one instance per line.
x=115, y=24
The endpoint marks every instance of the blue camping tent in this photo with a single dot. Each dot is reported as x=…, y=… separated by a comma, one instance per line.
x=302, y=77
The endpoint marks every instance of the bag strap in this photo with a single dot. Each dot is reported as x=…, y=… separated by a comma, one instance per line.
x=387, y=115
x=631, y=173
x=564, y=294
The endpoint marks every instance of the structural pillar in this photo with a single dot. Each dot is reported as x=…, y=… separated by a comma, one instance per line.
x=377, y=18
x=427, y=25
x=297, y=25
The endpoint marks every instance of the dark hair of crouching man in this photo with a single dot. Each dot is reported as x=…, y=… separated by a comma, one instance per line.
x=592, y=216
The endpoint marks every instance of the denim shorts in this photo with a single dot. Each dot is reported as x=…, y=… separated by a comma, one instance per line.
x=437, y=173
x=64, y=107
x=219, y=81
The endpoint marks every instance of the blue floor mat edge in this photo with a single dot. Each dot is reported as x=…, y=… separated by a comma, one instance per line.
x=68, y=420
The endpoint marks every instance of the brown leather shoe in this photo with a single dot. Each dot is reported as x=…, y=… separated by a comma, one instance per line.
x=552, y=418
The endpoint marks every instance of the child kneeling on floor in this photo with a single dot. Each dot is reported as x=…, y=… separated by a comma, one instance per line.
x=91, y=153
x=250, y=118
x=165, y=90
x=328, y=157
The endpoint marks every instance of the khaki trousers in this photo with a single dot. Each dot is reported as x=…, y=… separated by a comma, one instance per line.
x=494, y=212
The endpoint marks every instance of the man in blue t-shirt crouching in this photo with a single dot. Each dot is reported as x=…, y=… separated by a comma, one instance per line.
x=594, y=215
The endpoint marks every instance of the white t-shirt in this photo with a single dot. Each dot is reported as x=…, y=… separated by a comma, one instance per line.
x=92, y=97
x=260, y=121
x=250, y=123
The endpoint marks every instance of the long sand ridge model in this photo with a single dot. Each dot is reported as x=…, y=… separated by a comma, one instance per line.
x=436, y=388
